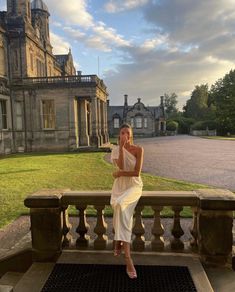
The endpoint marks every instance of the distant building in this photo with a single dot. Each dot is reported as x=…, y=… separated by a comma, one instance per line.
x=44, y=105
x=146, y=121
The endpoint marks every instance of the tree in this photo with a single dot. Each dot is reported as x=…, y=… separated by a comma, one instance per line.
x=222, y=96
x=197, y=106
x=170, y=102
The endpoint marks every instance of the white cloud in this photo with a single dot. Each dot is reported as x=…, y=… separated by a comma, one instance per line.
x=60, y=46
x=72, y=11
x=114, y=6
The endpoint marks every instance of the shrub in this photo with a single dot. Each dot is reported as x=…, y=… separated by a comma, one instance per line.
x=171, y=125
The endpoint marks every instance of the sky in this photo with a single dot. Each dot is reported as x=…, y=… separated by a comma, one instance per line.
x=145, y=48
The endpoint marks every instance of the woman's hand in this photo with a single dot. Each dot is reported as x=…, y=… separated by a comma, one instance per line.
x=116, y=174
x=123, y=140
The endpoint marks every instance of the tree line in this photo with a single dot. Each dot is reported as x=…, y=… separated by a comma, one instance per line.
x=210, y=109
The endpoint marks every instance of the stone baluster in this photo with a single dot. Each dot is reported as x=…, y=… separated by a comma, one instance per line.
x=100, y=228
x=177, y=231
x=157, y=242
x=138, y=229
x=194, y=230
x=66, y=227
x=83, y=227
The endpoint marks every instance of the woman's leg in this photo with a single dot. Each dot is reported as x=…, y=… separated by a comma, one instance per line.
x=129, y=262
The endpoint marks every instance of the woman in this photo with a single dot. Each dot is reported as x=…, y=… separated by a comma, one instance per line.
x=126, y=191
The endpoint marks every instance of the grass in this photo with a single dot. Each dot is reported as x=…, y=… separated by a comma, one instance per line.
x=24, y=174
x=232, y=138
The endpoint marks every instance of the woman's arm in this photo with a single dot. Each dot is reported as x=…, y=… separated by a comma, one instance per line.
x=119, y=161
x=138, y=166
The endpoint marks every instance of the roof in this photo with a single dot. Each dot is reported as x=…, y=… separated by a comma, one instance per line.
x=62, y=59
x=39, y=4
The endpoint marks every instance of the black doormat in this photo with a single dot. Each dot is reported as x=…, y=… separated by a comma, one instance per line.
x=113, y=278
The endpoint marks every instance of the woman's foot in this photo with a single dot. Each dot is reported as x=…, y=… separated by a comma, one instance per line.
x=117, y=248
x=130, y=269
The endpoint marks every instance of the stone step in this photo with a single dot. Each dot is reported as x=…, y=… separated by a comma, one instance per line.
x=35, y=278
x=9, y=280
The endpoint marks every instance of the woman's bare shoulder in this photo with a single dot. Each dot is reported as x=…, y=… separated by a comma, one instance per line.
x=138, y=148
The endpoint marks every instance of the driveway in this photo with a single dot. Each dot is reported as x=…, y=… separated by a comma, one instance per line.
x=191, y=159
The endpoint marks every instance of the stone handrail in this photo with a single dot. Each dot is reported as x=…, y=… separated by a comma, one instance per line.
x=211, y=225
x=60, y=80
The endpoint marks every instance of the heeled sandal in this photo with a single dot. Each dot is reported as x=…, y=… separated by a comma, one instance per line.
x=131, y=275
x=117, y=249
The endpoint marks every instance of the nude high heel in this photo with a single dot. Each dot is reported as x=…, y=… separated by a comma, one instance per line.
x=131, y=275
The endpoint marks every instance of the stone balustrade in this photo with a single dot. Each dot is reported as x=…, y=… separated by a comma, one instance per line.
x=211, y=228
x=60, y=80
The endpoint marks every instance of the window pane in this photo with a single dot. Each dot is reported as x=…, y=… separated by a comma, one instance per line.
x=138, y=122
x=132, y=122
x=48, y=113
x=145, y=122
x=3, y=114
x=116, y=123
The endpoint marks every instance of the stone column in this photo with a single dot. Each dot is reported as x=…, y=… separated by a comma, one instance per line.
x=214, y=223
x=106, y=122
x=102, y=110
x=83, y=133
x=99, y=121
x=95, y=139
x=73, y=126
x=46, y=225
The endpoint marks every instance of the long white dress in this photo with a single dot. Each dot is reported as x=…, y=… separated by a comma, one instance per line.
x=126, y=192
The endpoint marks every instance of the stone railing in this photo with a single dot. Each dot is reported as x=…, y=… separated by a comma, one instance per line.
x=211, y=228
x=80, y=79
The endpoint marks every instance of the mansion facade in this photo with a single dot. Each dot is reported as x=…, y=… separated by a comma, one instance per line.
x=145, y=121
x=44, y=104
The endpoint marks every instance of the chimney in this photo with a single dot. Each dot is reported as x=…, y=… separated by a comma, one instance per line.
x=107, y=102
x=125, y=100
x=162, y=100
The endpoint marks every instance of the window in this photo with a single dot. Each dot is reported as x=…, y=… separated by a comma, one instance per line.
x=31, y=61
x=16, y=60
x=48, y=114
x=138, y=122
x=116, y=123
x=132, y=122
x=145, y=123
x=3, y=114
x=19, y=120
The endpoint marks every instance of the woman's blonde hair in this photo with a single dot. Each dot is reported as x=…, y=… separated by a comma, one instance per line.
x=128, y=127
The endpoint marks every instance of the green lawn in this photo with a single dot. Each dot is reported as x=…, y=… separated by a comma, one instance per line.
x=219, y=137
x=23, y=174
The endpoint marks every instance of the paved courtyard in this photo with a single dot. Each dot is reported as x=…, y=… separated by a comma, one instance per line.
x=191, y=159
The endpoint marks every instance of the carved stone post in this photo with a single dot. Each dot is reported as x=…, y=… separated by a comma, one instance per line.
x=177, y=231
x=138, y=229
x=83, y=227
x=157, y=242
x=215, y=221
x=46, y=225
x=66, y=227
x=100, y=229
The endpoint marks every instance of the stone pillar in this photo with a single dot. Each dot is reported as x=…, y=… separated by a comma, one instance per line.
x=214, y=224
x=106, y=122
x=83, y=129
x=46, y=225
x=99, y=121
x=73, y=126
x=95, y=139
x=103, y=124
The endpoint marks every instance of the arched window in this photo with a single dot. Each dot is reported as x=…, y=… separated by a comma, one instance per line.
x=145, y=123
x=116, y=123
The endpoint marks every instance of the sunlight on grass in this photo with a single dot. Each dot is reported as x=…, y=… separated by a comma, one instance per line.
x=24, y=174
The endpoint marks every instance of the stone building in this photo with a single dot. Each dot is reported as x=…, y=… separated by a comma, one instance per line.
x=146, y=121
x=44, y=105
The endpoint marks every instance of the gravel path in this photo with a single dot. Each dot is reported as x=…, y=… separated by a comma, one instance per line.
x=191, y=159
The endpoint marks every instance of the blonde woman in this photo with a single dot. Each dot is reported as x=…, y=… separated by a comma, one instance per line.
x=126, y=191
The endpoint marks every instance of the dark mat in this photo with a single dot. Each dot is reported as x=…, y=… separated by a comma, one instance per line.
x=113, y=278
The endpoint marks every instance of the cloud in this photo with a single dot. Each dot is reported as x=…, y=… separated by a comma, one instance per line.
x=189, y=43
x=72, y=11
x=115, y=6
x=60, y=46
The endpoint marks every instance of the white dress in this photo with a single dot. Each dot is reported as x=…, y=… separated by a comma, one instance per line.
x=126, y=192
